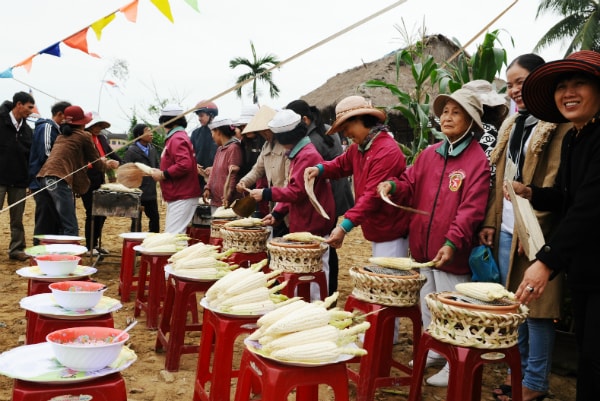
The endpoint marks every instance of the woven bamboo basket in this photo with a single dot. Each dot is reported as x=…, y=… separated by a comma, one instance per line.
x=469, y=327
x=215, y=227
x=391, y=290
x=300, y=259
x=245, y=240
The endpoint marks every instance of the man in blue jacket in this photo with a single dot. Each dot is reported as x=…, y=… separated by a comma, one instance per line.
x=47, y=220
x=15, y=143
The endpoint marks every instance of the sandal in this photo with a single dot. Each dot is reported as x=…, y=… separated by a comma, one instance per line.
x=503, y=390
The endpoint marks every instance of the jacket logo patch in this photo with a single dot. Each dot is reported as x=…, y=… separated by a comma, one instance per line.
x=455, y=180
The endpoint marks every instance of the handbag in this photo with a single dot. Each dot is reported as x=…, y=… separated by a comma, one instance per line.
x=483, y=266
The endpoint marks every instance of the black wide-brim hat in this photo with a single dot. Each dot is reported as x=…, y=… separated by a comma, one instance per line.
x=540, y=85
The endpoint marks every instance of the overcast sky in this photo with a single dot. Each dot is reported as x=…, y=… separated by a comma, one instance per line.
x=188, y=60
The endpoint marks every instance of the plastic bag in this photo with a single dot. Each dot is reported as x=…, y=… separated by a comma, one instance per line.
x=483, y=266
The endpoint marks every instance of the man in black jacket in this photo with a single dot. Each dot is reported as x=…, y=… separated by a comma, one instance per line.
x=15, y=143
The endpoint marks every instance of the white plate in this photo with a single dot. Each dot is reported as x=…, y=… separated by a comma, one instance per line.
x=170, y=271
x=35, y=273
x=204, y=304
x=36, y=363
x=45, y=304
x=134, y=235
x=59, y=238
x=254, y=347
x=141, y=249
x=64, y=249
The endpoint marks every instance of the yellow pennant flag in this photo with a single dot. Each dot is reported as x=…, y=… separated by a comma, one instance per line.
x=193, y=4
x=99, y=25
x=164, y=7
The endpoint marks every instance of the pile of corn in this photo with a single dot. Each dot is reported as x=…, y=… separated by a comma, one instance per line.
x=399, y=263
x=201, y=261
x=224, y=213
x=164, y=242
x=299, y=331
x=246, y=291
x=487, y=292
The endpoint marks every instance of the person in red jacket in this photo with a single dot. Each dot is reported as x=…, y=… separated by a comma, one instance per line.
x=372, y=157
x=450, y=180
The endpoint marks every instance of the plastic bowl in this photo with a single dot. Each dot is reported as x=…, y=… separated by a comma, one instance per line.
x=77, y=295
x=57, y=265
x=86, y=348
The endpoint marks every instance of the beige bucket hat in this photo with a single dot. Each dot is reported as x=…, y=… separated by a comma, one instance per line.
x=467, y=99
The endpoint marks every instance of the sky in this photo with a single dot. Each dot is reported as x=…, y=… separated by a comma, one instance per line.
x=187, y=61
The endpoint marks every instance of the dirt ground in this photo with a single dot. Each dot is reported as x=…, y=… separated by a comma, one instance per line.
x=146, y=379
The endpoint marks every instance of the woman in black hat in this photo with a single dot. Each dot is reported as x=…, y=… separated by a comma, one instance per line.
x=561, y=91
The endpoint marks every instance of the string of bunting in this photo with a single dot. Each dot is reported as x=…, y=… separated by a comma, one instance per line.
x=78, y=40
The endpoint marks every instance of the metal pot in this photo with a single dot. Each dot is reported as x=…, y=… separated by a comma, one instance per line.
x=202, y=216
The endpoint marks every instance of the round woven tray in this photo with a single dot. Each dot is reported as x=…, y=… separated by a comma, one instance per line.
x=245, y=240
x=215, y=227
x=384, y=289
x=296, y=259
x=467, y=327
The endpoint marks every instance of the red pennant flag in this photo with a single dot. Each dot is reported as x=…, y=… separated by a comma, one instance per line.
x=78, y=40
x=130, y=11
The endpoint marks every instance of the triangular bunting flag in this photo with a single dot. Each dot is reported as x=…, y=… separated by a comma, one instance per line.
x=7, y=73
x=193, y=4
x=164, y=7
x=26, y=63
x=130, y=11
x=99, y=25
x=78, y=40
x=53, y=50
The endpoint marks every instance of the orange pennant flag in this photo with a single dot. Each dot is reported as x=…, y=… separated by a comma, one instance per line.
x=78, y=40
x=130, y=11
x=164, y=7
x=99, y=25
x=26, y=63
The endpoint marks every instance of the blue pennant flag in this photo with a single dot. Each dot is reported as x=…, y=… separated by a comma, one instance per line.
x=7, y=73
x=53, y=50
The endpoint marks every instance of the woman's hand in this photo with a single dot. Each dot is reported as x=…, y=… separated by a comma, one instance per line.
x=310, y=172
x=486, y=236
x=444, y=255
x=111, y=164
x=206, y=195
x=157, y=175
x=257, y=194
x=336, y=238
x=520, y=189
x=240, y=187
x=268, y=220
x=384, y=187
x=534, y=282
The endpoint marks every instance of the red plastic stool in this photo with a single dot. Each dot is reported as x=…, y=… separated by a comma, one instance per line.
x=107, y=388
x=150, y=301
x=375, y=367
x=246, y=259
x=301, y=281
x=179, y=300
x=466, y=366
x=43, y=325
x=219, y=333
x=127, y=278
x=216, y=241
x=198, y=234
x=277, y=380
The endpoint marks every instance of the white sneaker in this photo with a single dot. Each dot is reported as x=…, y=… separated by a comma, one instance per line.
x=440, y=379
x=431, y=361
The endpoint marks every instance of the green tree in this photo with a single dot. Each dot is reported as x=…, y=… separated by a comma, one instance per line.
x=580, y=25
x=259, y=71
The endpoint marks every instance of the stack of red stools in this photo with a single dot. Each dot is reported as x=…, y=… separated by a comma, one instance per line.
x=466, y=368
x=301, y=282
x=276, y=380
x=219, y=334
x=375, y=367
x=152, y=275
x=180, y=298
x=107, y=388
x=127, y=279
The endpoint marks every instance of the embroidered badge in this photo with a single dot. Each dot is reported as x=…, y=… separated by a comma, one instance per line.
x=455, y=180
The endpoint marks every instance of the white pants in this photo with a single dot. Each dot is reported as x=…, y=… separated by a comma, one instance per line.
x=437, y=281
x=179, y=214
x=396, y=248
x=314, y=287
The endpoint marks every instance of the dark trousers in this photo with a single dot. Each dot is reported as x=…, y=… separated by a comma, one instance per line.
x=87, y=200
x=333, y=270
x=47, y=220
x=587, y=325
x=151, y=211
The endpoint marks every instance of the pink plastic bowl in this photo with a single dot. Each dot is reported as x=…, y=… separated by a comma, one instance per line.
x=57, y=265
x=86, y=348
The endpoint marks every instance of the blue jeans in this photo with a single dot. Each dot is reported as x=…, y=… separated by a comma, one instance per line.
x=536, y=344
x=64, y=202
x=504, y=255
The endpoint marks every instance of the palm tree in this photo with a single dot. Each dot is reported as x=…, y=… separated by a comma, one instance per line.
x=581, y=24
x=259, y=70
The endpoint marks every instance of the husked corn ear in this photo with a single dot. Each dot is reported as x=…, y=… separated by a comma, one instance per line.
x=254, y=295
x=194, y=251
x=321, y=333
x=484, y=291
x=245, y=222
x=284, y=310
x=199, y=263
x=303, y=319
x=257, y=279
x=225, y=282
x=302, y=236
x=398, y=263
x=164, y=240
x=316, y=352
x=251, y=308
